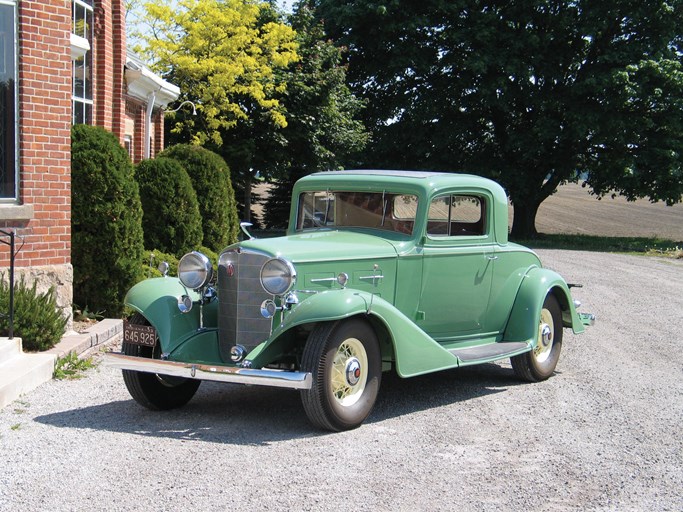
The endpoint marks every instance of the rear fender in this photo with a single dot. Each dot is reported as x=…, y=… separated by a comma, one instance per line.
x=157, y=300
x=414, y=351
x=536, y=285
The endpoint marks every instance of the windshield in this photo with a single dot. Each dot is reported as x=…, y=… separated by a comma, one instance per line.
x=375, y=210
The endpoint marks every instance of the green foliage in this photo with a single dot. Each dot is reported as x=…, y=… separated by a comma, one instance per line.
x=171, y=221
x=84, y=314
x=532, y=94
x=648, y=246
x=270, y=100
x=210, y=178
x=223, y=55
x=37, y=320
x=106, y=220
x=71, y=367
x=151, y=261
x=323, y=131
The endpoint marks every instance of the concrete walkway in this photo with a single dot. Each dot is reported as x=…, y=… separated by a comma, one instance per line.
x=22, y=372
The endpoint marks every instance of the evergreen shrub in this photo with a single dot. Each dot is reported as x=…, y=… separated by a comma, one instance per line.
x=151, y=261
x=37, y=319
x=210, y=178
x=106, y=220
x=171, y=221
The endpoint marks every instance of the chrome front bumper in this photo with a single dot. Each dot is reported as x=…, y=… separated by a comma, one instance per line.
x=273, y=378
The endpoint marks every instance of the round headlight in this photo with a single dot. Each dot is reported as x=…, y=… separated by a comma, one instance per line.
x=195, y=270
x=277, y=276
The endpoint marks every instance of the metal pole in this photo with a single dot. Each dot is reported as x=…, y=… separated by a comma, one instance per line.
x=11, y=285
x=11, y=235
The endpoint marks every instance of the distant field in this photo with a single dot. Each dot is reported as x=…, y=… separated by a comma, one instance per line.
x=572, y=210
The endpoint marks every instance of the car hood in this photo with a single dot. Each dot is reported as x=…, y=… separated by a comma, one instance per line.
x=324, y=245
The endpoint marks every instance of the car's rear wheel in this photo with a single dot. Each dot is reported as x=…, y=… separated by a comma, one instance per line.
x=345, y=361
x=540, y=363
x=156, y=392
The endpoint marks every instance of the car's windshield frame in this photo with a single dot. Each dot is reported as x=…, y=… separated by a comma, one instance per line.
x=346, y=209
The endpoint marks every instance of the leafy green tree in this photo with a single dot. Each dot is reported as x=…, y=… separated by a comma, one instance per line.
x=323, y=127
x=106, y=220
x=221, y=56
x=171, y=221
x=226, y=56
x=531, y=93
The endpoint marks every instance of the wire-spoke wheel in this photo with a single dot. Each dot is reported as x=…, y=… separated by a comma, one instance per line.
x=345, y=362
x=540, y=363
x=153, y=391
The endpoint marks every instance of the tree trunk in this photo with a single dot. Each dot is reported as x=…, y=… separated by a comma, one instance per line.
x=524, y=221
x=246, y=214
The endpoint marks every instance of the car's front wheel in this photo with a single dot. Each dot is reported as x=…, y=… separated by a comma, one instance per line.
x=345, y=361
x=156, y=392
x=540, y=363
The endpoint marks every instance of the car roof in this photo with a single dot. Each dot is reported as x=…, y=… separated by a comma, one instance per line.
x=429, y=183
x=425, y=180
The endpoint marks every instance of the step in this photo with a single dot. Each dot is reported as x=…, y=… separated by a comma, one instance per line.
x=489, y=351
x=9, y=349
x=23, y=373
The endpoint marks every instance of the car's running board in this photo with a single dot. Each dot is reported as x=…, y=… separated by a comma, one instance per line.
x=490, y=351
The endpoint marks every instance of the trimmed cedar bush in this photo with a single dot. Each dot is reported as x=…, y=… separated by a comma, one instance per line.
x=37, y=319
x=106, y=220
x=152, y=259
x=210, y=178
x=170, y=214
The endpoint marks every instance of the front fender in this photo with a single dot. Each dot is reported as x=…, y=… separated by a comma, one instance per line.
x=536, y=285
x=157, y=300
x=415, y=352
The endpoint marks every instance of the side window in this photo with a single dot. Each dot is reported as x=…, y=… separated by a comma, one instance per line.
x=457, y=215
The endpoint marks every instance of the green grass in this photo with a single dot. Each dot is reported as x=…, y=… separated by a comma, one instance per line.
x=71, y=367
x=628, y=245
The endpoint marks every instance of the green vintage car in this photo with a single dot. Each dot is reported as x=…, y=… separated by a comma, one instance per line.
x=379, y=270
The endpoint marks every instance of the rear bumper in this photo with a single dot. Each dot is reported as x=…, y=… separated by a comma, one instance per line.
x=231, y=374
x=587, y=318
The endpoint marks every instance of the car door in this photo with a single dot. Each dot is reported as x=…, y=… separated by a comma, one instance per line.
x=458, y=261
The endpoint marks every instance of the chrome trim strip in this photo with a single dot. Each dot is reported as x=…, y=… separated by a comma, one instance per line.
x=232, y=374
x=371, y=277
x=324, y=280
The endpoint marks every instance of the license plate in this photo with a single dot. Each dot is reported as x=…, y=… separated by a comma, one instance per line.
x=144, y=335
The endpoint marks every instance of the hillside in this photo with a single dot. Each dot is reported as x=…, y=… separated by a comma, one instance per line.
x=572, y=210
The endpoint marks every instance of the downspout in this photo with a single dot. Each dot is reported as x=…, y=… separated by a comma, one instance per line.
x=151, y=97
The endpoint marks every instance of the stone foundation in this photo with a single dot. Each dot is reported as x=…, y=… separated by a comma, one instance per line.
x=61, y=277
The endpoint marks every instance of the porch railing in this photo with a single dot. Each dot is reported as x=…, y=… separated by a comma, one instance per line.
x=12, y=253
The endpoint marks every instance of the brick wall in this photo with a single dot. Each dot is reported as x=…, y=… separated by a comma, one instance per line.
x=45, y=129
x=158, y=120
x=109, y=59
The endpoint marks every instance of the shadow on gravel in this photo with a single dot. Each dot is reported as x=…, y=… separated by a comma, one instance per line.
x=242, y=415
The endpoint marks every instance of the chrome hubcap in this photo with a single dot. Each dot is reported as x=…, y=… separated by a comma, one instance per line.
x=546, y=333
x=353, y=371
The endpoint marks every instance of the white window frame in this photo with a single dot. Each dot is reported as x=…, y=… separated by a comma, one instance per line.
x=80, y=47
x=15, y=198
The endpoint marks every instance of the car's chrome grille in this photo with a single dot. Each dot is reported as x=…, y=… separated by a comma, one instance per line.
x=240, y=295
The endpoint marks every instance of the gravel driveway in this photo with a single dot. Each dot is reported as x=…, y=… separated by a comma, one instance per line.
x=603, y=434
